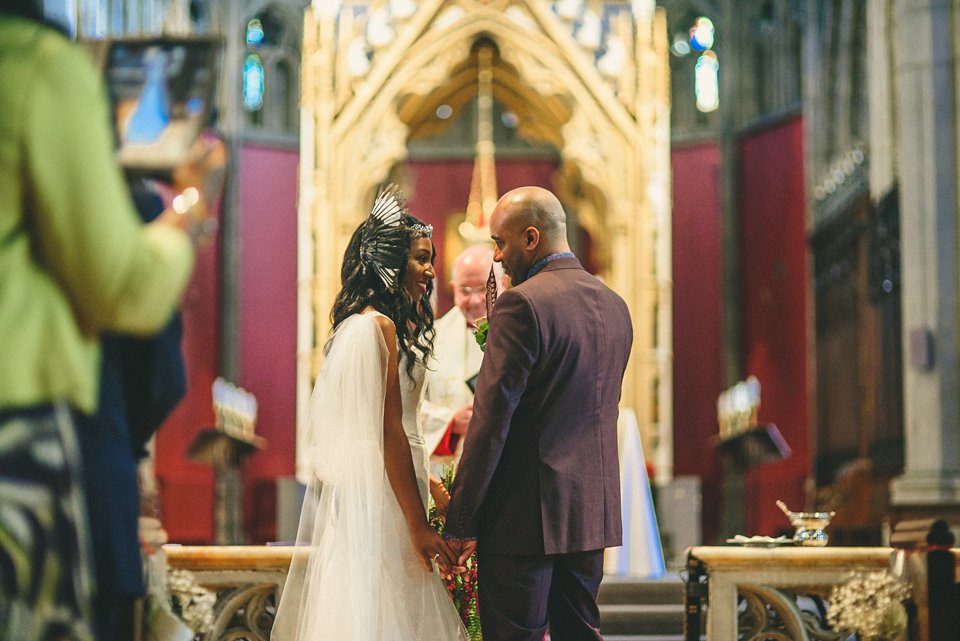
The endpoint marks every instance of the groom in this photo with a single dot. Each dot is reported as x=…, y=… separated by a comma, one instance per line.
x=538, y=489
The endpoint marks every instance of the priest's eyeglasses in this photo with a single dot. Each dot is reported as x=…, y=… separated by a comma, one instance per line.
x=467, y=292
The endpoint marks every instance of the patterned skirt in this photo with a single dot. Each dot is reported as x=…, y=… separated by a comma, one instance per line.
x=45, y=572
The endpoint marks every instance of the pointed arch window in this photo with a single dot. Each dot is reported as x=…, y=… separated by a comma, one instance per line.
x=694, y=67
x=255, y=32
x=707, y=83
x=707, y=68
x=270, y=65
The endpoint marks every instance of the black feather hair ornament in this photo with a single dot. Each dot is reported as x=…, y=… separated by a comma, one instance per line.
x=385, y=239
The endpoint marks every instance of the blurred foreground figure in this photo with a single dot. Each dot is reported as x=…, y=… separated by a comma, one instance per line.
x=75, y=260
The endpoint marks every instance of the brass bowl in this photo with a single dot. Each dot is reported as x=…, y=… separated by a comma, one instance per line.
x=810, y=526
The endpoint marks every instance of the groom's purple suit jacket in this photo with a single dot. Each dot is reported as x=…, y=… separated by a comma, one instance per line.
x=540, y=471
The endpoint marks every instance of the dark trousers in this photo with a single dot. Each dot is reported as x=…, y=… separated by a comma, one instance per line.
x=521, y=596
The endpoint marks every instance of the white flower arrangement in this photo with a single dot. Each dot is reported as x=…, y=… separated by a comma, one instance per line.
x=871, y=605
x=192, y=602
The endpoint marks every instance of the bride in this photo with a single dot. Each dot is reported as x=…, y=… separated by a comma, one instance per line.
x=367, y=563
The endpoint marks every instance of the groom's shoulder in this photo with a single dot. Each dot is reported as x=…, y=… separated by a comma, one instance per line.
x=516, y=298
x=611, y=299
x=571, y=287
x=563, y=283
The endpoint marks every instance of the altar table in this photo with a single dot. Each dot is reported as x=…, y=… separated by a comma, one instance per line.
x=769, y=579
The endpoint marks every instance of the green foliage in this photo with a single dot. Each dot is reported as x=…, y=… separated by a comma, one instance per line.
x=481, y=334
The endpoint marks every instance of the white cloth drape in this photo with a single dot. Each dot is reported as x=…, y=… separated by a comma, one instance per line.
x=456, y=357
x=641, y=554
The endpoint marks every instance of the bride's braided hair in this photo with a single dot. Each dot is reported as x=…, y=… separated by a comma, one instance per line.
x=363, y=284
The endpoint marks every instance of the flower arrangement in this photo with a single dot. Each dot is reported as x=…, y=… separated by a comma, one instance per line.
x=462, y=587
x=191, y=602
x=871, y=606
x=480, y=333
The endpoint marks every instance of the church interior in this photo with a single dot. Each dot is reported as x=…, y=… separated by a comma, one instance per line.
x=771, y=186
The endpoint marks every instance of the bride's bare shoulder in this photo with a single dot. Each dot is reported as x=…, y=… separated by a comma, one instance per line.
x=385, y=324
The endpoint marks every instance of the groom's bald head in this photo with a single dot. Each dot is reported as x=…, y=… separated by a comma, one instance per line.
x=538, y=208
x=527, y=224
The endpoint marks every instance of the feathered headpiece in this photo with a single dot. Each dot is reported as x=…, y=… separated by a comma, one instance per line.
x=385, y=240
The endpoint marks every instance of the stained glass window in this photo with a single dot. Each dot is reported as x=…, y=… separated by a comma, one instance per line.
x=254, y=32
x=253, y=82
x=701, y=34
x=707, y=82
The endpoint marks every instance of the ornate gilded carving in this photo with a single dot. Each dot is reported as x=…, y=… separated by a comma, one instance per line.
x=359, y=122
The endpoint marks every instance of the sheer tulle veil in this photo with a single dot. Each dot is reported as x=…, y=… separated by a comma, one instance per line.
x=354, y=574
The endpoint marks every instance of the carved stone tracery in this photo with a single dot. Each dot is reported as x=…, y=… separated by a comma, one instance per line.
x=612, y=137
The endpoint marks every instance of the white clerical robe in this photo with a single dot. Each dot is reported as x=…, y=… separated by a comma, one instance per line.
x=456, y=358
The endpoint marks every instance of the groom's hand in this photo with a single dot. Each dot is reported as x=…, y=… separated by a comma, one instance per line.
x=465, y=552
x=462, y=549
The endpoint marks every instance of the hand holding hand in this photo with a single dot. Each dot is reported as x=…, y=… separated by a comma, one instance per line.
x=432, y=548
x=463, y=549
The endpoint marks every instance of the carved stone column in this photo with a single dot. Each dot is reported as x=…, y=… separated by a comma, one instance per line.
x=924, y=52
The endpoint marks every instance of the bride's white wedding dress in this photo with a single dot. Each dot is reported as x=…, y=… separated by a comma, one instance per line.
x=355, y=575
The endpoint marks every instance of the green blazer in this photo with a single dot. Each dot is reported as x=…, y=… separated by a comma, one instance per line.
x=75, y=258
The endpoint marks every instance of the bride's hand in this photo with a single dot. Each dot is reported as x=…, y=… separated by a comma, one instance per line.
x=432, y=547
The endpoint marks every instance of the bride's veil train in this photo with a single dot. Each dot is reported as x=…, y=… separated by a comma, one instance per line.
x=355, y=575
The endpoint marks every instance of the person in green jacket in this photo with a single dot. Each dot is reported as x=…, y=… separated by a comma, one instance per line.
x=75, y=260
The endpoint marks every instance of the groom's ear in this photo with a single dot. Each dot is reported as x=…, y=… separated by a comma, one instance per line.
x=531, y=237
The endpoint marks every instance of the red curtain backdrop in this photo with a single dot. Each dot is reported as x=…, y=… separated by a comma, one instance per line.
x=774, y=286
x=268, y=321
x=267, y=312
x=697, y=322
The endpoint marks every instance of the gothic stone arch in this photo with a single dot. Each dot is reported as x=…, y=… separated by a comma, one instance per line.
x=616, y=140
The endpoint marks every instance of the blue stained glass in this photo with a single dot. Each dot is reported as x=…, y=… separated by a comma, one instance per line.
x=253, y=82
x=254, y=32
